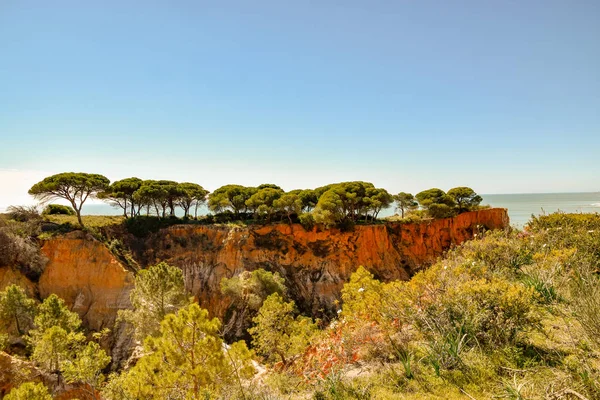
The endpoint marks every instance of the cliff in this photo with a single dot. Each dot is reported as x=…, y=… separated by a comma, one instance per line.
x=314, y=263
x=83, y=272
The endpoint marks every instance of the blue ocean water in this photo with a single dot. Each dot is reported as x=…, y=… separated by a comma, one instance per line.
x=520, y=206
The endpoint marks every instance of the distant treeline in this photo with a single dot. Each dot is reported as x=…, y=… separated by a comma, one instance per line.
x=336, y=204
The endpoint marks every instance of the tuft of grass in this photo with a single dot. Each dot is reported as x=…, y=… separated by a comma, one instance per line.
x=90, y=221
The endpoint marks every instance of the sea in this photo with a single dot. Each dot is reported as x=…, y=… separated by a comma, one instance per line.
x=520, y=206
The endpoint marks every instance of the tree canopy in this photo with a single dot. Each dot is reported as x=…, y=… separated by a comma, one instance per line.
x=277, y=334
x=186, y=360
x=120, y=194
x=465, y=198
x=437, y=203
x=75, y=187
x=247, y=292
x=159, y=290
x=230, y=197
x=337, y=204
x=405, y=202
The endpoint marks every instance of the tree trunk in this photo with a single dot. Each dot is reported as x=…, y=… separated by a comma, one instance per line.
x=17, y=324
x=78, y=211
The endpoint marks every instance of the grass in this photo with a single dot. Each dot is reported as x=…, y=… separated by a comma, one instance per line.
x=90, y=221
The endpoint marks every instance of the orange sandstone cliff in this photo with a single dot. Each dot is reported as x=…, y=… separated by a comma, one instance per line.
x=82, y=271
x=315, y=264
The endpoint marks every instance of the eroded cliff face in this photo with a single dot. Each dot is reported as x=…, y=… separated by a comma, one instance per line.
x=84, y=273
x=14, y=370
x=93, y=283
x=315, y=263
x=10, y=275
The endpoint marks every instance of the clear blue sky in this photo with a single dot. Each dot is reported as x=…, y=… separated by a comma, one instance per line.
x=503, y=96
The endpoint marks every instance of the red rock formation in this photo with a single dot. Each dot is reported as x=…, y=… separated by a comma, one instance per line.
x=93, y=283
x=84, y=273
x=315, y=263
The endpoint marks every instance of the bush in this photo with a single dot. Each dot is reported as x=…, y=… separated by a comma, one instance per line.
x=307, y=220
x=23, y=213
x=29, y=391
x=501, y=251
x=58, y=209
x=143, y=225
x=22, y=253
x=441, y=211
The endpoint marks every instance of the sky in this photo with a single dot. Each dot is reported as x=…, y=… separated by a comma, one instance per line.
x=502, y=96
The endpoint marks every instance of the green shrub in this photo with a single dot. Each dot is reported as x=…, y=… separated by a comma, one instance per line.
x=29, y=391
x=23, y=213
x=58, y=209
x=441, y=211
x=144, y=225
x=307, y=220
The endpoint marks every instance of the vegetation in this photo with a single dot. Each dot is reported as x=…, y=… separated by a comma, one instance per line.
x=335, y=205
x=17, y=249
x=56, y=342
x=58, y=209
x=405, y=202
x=247, y=292
x=16, y=310
x=508, y=315
x=277, y=334
x=75, y=187
x=185, y=361
x=158, y=291
x=29, y=391
x=120, y=194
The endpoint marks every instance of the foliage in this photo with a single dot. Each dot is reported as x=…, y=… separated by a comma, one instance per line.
x=277, y=334
x=261, y=203
x=465, y=198
x=71, y=186
x=349, y=201
x=86, y=367
x=405, y=202
x=308, y=198
x=186, y=360
x=16, y=310
x=143, y=225
x=307, y=220
x=159, y=290
x=437, y=203
x=54, y=346
x=29, y=391
x=121, y=193
x=247, y=292
x=23, y=213
x=21, y=252
x=289, y=204
x=53, y=312
x=58, y=209
x=192, y=195
x=56, y=336
x=59, y=346
x=230, y=197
